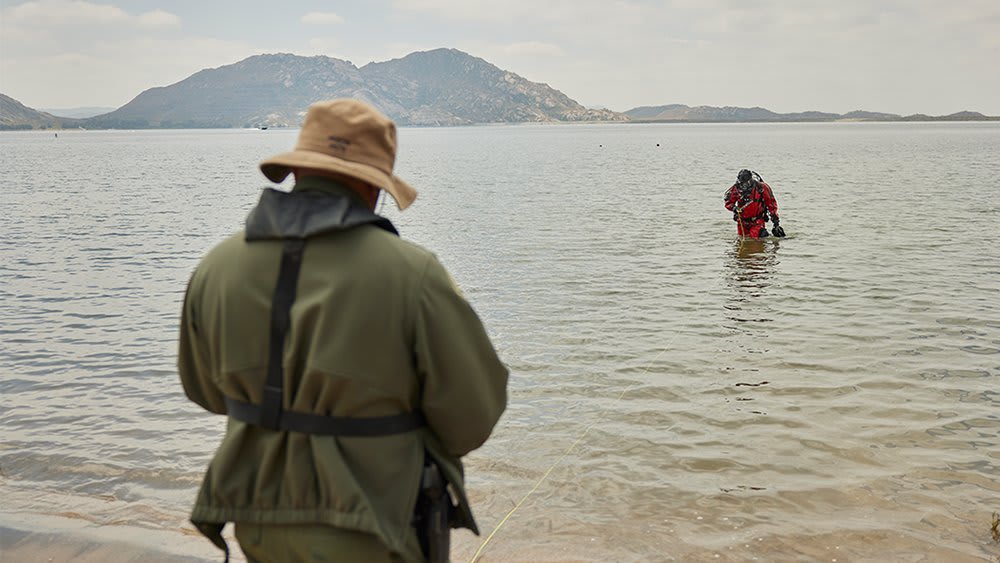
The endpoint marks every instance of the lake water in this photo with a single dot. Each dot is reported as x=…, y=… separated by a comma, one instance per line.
x=675, y=393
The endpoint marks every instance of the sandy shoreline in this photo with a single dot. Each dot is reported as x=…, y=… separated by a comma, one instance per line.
x=58, y=539
x=54, y=527
x=73, y=537
x=62, y=527
x=20, y=545
x=56, y=542
x=38, y=525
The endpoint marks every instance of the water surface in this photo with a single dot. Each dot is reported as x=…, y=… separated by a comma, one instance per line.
x=676, y=393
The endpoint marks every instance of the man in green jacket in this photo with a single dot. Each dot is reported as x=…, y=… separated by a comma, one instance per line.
x=351, y=368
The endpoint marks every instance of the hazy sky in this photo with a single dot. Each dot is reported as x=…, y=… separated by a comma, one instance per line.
x=898, y=56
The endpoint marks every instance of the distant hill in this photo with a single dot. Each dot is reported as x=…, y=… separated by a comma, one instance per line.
x=959, y=116
x=859, y=115
x=679, y=112
x=439, y=87
x=264, y=90
x=15, y=115
x=77, y=113
x=728, y=114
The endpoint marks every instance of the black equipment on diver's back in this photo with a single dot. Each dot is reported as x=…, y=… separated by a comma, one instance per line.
x=749, y=189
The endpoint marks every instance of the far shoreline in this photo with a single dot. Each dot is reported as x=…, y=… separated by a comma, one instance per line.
x=985, y=119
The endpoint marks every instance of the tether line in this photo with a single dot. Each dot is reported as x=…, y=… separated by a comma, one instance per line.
x=528, y=494
x=545, y=475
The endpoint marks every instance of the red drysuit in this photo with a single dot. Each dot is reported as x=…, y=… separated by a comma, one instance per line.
x=752, y=203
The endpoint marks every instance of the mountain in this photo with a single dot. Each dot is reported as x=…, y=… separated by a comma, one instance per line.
x=77, y=113
x=709, y=114
x=859, y=115
x=727, y=114
x=439, y=87
x=15, y=115
x=959, y=116
x=268, y=90
x=449, y=87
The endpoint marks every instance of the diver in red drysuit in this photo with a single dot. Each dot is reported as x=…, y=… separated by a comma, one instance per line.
x=752, y=202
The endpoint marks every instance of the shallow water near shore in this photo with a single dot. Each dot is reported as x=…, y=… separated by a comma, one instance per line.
x=676, y=393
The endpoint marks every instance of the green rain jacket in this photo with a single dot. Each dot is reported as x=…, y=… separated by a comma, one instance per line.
x=378, y=328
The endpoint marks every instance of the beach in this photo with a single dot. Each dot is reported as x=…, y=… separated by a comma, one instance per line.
x=48, y=527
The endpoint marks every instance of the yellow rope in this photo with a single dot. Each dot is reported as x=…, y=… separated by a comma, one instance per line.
x=528, y=494
x=545, y=475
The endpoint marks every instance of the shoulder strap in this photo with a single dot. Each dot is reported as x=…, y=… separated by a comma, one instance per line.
x=281, y=308
x=270, y=413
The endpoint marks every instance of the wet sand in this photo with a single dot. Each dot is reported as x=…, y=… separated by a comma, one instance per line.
x=57, y=539
x=48, y=526
x=27, y=537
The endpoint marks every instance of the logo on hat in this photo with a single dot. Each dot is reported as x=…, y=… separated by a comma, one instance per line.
x=339, y=143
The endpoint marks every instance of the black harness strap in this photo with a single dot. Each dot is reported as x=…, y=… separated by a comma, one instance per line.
x=292, y=421
x=281, y=314
x=270, y=413
x=755, y=194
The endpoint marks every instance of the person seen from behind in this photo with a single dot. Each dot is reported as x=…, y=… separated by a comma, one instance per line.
x=354, y=374
x=752, y=203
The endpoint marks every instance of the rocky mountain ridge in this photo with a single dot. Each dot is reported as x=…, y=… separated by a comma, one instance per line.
x=439, y=87
x=429, y=88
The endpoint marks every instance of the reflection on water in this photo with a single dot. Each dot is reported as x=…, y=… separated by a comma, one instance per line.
x=675, y=394
x=753, y=258
x=750, y=266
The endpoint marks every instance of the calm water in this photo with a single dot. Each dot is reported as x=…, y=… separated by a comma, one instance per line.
x=676, y=394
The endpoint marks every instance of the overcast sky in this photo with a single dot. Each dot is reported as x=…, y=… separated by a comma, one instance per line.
x=897, y=56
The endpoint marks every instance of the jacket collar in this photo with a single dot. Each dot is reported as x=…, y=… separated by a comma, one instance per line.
x=314, y=206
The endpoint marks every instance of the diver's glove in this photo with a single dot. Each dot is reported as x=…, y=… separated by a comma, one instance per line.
x=776, y=229
x=736, y=216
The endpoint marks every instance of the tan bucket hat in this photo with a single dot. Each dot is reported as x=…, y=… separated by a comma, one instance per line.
x=348, y=137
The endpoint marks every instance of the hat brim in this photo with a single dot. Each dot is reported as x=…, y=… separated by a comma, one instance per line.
x=279, y=166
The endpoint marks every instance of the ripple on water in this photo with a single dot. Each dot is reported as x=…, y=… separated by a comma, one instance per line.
x=675, y=392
